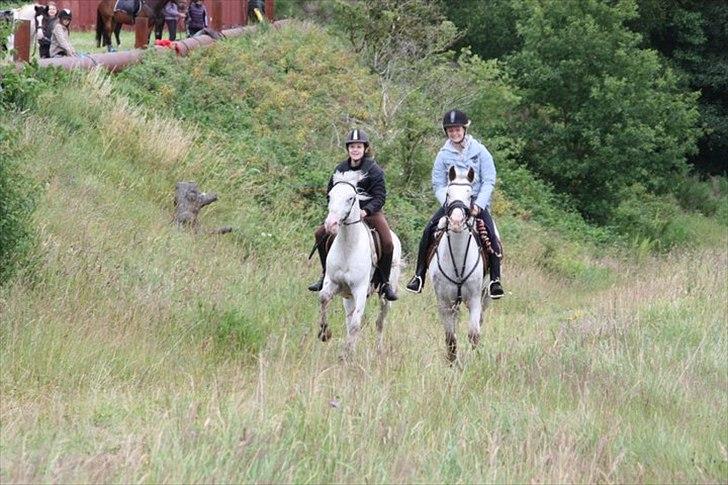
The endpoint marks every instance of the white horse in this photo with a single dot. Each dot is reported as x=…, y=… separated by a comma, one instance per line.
x=350, y=263
x=457, y=268
x=30, y=12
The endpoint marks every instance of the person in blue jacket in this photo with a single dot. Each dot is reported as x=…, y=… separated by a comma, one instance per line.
x=463, y=151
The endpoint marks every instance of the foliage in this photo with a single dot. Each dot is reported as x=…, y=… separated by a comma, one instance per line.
x=17, y=201
x=598, y=113
x=652, y=220
x=693, y=37
x=20, y=88
x=488, y=26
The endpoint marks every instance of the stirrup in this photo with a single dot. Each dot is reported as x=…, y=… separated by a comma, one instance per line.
x=415, y=284
x=496, y=290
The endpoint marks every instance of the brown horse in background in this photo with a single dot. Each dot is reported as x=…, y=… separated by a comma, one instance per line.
x=108, y=21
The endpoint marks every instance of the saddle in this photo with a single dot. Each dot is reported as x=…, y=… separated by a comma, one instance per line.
x=480, y=234
x=375, y=243
x=130, y=7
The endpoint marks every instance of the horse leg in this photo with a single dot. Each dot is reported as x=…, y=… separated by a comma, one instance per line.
x=475, y=309
x=353, y=324
x=448, y=315
x=325, y=296
x=117, y=30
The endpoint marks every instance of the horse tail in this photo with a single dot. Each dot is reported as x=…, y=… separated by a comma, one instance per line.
x=99, y=27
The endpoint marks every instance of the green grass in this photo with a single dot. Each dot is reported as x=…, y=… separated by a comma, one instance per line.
x=131, y=351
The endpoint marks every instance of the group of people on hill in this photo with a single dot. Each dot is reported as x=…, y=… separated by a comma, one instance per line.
x=461, y=150
x=54, y=26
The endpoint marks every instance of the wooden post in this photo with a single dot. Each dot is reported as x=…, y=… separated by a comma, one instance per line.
x=141, y=32
x=270, y=10
x=245, y=12
x=22, y=41
x=217, y=15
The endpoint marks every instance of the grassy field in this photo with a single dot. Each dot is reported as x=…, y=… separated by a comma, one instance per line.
x=132, y=351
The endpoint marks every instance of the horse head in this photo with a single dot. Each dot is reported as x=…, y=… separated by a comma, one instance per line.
x=344, y=200
x=459, y=192
x=41, y=10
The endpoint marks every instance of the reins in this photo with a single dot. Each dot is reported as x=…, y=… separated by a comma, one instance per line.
x=460, y=275
x=348, y=213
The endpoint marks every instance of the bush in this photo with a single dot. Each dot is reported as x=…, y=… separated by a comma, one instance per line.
x=16, y=204
x=704, y=196
x=652, y=220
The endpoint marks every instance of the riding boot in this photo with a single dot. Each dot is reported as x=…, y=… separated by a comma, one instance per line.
x=417, y=283
x=385, y=268
x=495, y=287
x=321, y=247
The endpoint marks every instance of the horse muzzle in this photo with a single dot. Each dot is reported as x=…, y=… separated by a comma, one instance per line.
x=332, y=224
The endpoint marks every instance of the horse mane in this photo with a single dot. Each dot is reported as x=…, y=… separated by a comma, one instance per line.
x=352, y=177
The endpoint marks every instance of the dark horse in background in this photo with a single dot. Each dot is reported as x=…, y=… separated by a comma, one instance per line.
x=108, y=21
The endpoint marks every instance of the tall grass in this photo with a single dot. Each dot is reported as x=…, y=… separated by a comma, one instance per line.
x=131, y=351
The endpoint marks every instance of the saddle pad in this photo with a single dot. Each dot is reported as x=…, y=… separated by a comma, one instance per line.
x=130, y=7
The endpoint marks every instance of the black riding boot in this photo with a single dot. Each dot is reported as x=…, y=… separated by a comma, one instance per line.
x=385, y=268
x=322, y=257
x=418, y=280
x=496, y=289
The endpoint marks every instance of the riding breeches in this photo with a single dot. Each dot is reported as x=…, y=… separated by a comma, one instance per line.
x=378, y=222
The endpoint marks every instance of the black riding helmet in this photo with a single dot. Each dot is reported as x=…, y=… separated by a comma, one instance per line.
x=455, y=117
x=65, y=14
x=357, y=136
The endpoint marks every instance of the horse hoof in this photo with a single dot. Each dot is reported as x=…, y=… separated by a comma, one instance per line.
x=324, y=335
x=474, y=339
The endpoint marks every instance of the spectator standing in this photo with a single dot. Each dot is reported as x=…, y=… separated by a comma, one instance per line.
x=171, y=17
x=197, y=18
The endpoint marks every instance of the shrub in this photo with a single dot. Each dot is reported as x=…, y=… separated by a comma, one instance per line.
x=16, y=204
x=650, y=219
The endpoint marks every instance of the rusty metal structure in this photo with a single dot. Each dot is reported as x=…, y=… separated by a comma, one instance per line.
x=116, y=61
x=224, y=13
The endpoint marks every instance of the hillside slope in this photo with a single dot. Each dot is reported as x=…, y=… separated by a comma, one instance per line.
x=134, y=351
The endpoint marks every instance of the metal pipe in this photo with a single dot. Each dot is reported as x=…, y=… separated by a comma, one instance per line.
x=116, y=61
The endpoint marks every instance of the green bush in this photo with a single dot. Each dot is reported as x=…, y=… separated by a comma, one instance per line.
x=17, y=201
x=704, y=196
x=652, y=220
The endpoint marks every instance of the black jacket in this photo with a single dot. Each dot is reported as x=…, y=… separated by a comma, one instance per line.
x=372, y=184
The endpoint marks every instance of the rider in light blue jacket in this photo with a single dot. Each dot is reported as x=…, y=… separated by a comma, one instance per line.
x=462, y=151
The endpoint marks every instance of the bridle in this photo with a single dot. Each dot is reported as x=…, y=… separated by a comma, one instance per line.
x=460, y=276
x=348, y=213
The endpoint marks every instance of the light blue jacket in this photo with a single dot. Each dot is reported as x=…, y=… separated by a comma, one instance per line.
x=474, y=155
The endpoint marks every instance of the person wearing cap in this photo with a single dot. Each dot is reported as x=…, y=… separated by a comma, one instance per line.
x=197, y=18
x=45, y=31
x=463, y=151
x=60, y=42
x=360, y=159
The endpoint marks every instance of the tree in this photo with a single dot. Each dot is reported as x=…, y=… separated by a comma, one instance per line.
x=693, y=36
x=488, y=26
x=598, y=113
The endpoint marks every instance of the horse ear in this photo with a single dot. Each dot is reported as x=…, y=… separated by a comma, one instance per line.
x=451, y=174
x=471, y=175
